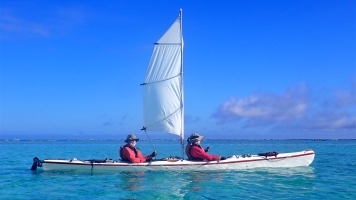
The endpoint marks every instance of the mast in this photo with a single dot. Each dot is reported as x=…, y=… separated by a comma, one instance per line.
x=182, y=83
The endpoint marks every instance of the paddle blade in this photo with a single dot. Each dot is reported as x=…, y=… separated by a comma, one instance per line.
x=34, y=166
x=36, y=162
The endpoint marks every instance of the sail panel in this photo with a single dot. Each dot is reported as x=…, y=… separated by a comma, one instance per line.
x=165, y=63
x=162, y=107
x=173, y=34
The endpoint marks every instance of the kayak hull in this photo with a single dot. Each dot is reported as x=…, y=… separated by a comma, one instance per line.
x=235, y=162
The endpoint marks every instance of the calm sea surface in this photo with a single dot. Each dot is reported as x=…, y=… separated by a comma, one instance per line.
x=332, y=175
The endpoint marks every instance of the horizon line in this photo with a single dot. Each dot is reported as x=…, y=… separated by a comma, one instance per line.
x=15, y=139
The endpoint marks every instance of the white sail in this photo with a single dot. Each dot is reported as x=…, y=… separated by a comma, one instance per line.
x=163, y=84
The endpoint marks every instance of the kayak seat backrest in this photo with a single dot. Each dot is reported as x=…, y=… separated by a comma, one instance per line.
x=121, y=156
x=187, y=151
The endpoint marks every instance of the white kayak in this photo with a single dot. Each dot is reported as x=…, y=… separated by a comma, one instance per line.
x=235, y=162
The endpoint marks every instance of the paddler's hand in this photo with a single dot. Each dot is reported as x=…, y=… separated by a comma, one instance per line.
x=154, y=154
x=206, y=149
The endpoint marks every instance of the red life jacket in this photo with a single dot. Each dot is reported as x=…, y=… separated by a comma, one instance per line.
x=187, y=151
x=198, y=150
x=138, y=155
x=122, y=148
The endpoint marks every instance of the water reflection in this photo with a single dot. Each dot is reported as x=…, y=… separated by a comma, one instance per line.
x=195, y=185
x=198, y=180
x=307, y=172
x=152, y=183
x=131, y=181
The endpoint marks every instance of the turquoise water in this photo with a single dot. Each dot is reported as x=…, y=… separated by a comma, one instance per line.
x=332, y=175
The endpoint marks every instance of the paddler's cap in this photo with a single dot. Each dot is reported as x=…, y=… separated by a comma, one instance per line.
x=194, y=137
x=131, y=137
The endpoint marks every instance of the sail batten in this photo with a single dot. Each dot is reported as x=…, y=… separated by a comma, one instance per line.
x=161, y=80
x=167, y=43
x=163, y=86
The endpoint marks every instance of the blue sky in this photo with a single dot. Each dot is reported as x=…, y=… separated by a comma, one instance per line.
x=253, y=69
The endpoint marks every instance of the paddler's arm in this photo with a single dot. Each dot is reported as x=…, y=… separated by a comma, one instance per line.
x=200, y=153
x=151, y=156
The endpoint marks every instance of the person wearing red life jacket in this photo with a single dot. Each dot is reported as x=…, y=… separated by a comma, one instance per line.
x=131, y=153
x=195, y=151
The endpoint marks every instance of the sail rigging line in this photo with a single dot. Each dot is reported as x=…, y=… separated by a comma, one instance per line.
x=149, y=139
x=167, y=117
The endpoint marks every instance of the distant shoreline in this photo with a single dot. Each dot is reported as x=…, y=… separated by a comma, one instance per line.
x=53, y=140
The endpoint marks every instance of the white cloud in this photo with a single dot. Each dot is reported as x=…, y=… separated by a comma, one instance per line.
x=290, y=105
x=40, y=23
x=295, y=109
x=330, y=121
x=11, y=24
